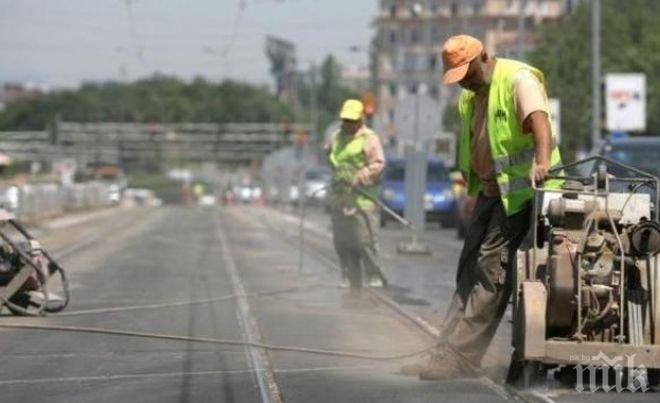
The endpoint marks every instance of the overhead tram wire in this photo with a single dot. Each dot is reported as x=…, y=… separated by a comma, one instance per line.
x=226, y=50
x=139, y=49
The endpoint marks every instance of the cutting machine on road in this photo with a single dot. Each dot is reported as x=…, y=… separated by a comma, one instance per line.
x=28, y=273
x=588, y=291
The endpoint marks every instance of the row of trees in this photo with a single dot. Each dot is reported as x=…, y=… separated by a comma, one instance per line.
x=169, y=99
x=329, y=92
x=630, y=43
x=159, y=98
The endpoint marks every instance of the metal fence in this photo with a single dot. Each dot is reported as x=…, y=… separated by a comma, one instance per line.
x=36, y=201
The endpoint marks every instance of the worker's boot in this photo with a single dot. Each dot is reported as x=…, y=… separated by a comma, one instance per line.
x=376, y=282
x=440, y=364
x=345, y=282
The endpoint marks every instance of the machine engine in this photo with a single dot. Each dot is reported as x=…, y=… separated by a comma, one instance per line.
x=599, y=254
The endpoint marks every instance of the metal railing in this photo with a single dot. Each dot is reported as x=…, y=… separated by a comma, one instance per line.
x=37, y=201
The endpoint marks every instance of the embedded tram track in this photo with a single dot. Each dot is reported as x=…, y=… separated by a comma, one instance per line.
x=319, y=248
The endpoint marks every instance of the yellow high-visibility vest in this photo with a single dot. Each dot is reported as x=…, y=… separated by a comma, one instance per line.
x=512, y=150
x=346, y=159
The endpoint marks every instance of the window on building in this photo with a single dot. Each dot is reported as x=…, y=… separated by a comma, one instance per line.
x=392, y=37
x=433, y=91
x=476, y=8
x=412, y=88
x=416, y=9
x=512, y=6
x=394, y=61
x=435, y=34
x=414, y=35
x=433, y=7
x=392, y=89
x=453, y=9
x=393, y=11
x=390, y=115
x=433, y=62
x=410, y=62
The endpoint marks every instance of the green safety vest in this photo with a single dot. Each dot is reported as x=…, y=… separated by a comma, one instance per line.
x=346, y=159
x=512, y=150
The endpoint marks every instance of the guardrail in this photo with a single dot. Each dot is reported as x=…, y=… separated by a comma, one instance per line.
x=38, y=201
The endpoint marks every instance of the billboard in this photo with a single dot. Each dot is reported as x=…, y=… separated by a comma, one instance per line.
x=625, y=102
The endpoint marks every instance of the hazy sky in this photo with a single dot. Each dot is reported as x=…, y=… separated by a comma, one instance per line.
x=63, y=42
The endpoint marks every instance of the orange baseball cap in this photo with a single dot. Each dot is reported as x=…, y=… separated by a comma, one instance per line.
x=457, y=53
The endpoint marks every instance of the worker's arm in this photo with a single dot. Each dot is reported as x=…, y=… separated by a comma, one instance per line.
x=540, y=128
x=375, y=162
x=531, y=104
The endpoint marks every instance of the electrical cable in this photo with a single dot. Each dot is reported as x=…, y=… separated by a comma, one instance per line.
x=234, y=31
x=183, y=303
x=241, y=343
x=134, y=37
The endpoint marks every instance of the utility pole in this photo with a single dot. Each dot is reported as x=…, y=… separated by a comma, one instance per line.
x=522, y=7
x=314, y=114
x=596, y=73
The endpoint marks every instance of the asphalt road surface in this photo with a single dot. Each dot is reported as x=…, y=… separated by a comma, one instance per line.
x=217, y=276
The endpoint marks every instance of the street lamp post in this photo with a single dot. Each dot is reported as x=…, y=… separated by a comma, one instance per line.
x=596, y=73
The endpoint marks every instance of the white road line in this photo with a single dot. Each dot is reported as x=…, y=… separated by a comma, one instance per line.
x=258, y=358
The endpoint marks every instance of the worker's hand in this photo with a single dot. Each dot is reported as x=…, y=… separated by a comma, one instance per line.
x=540, y=171
x=361, y=178
x=349, y=211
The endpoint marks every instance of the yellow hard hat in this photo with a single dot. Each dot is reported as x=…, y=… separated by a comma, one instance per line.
x=352, y=110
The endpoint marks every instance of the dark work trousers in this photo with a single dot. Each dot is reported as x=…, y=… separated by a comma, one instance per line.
x=355, y=239
x=484, y=277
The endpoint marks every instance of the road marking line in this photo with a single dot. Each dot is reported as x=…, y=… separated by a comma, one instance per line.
x=258, y=358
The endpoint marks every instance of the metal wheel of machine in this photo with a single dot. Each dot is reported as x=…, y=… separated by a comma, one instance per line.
x=23, y=304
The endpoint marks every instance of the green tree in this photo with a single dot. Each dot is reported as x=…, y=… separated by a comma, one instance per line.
x=330, y=93
x=158, y=98
x=630, y=43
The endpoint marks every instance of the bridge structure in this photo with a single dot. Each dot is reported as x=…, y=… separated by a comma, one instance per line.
x=140, y=144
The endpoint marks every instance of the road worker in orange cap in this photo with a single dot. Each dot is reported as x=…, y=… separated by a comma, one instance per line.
x=505, y=140
x=357, y=159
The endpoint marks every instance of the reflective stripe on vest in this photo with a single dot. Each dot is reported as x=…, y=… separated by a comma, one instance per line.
x=518, y=183
x=521, y=157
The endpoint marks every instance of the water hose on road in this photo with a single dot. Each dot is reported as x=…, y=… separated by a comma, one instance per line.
x=362, y=192
x=118, y=309
x=240, y=343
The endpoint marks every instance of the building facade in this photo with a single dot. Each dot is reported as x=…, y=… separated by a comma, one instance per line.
x=410, y=34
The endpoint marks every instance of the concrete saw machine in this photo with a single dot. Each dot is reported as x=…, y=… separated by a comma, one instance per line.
x=28, y=273
x=587, y=292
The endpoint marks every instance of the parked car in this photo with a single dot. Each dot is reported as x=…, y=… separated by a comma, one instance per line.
x=439, y=200
x=638, y=152
x=315, y=186
x=316, y=182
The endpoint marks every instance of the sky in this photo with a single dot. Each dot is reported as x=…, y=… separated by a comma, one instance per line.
x=61, y=43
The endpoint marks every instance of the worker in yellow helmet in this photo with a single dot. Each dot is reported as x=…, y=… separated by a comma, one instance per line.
x=357, y=159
